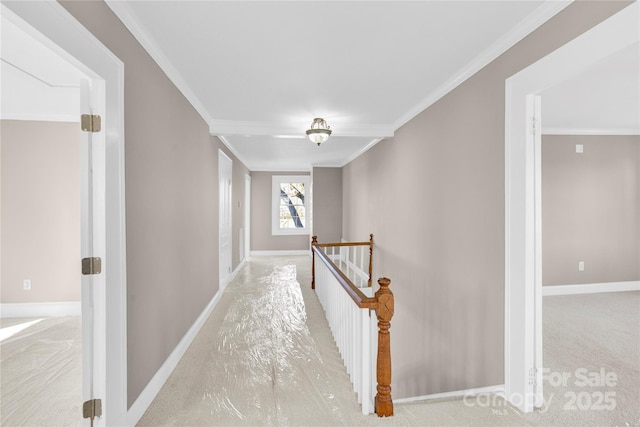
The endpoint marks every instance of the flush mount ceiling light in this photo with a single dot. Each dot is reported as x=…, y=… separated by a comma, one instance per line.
x=319, y=131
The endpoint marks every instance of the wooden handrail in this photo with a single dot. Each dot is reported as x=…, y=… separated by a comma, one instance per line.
x=314, y=243
x=336, y=245
x=352, y=290
x=382, y=302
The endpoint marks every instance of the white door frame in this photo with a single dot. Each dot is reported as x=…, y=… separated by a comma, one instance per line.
x=60, y=31
x=522, y=177
x=223, y=253
x=247, y=216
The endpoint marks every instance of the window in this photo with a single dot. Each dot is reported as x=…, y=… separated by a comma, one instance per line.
x=290, y=213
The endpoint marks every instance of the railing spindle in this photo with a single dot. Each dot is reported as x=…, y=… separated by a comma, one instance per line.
x=350, y=323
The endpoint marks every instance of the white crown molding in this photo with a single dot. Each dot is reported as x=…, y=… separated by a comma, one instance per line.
x=226, y=143
x=282, y=170
x=541, y=15
x=361, y=152
x=581, y=131
x=295, y=130
x=126, y=15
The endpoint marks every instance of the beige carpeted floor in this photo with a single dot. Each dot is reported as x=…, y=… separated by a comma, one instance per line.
x=266, y=357
x=41, y=373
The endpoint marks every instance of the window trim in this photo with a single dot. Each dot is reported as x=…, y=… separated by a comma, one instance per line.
x=276, y=180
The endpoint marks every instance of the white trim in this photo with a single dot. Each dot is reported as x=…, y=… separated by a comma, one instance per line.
x=154, y=386
x=279, y=170
x=237, y=270
x=228, y=145
x=276, y=181
x=591, y=288
x=41, y=117
x=280, y=253
x=610, y=36
x=359, y=153
x=496, y=389
x=225, y=210
x=126, y=15
x=40, y=309
x=247, y=216
x=582, y=131
x=541, y=15
x=72, y=41
x=293, y=130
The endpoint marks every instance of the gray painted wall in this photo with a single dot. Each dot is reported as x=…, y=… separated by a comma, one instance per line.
x=590, y=209
x=171, y=202
x=40, y=211
x=327, y=204
x=261, y=238
x=433, y=196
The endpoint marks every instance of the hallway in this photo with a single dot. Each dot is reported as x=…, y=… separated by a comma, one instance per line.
x=266, y=356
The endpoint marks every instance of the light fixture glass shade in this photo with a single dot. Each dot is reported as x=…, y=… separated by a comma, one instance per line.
x=319, y=131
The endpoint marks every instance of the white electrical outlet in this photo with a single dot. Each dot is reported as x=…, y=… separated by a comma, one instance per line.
x=26, y=284
x=579, y=148
x=580, y=265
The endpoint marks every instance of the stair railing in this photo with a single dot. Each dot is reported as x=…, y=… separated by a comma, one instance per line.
x=348, y=308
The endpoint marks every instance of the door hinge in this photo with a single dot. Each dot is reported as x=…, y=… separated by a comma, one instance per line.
x=90, y=123
x=533, y=125
x=533, y=376
x=92, y=408
x=91, y=266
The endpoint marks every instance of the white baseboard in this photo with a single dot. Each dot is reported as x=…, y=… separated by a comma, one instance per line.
x=41, y=309
x=238, y=268
x=152, y=389
x=280, y=253
x=591, y=288
x=496, y=389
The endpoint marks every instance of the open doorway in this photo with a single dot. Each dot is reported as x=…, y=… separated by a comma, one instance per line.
x=50, y=24
x=523, y=279
x=41, y=233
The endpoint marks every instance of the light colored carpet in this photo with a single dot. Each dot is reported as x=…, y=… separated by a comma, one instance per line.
x=266, y=357
x=41, y=373
x=262, y=360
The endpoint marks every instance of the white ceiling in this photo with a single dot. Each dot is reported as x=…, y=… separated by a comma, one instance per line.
x=605, y=99
x=256, y=70
x=259, y=72
x=36, y=83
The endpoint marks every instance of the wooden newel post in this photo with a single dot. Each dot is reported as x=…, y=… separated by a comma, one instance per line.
x=384, y=313
x=314, y=241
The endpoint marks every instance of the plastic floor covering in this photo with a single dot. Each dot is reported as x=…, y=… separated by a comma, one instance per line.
x=266, y=356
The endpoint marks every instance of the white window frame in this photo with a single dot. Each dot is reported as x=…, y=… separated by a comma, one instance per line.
x=276, y=180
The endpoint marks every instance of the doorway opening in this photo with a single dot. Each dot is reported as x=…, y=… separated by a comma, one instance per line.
x=225, y=177
x=59, y=31
x=523, y=284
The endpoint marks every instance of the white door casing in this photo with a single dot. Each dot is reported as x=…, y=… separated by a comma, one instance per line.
x=93, y=245
x=523, y=293
x=247, y=216
x=225, y=174
x=56, y=28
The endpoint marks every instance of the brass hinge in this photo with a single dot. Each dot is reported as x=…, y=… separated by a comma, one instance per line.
x=91, y=266
x=90, y=123
x=91, y=409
